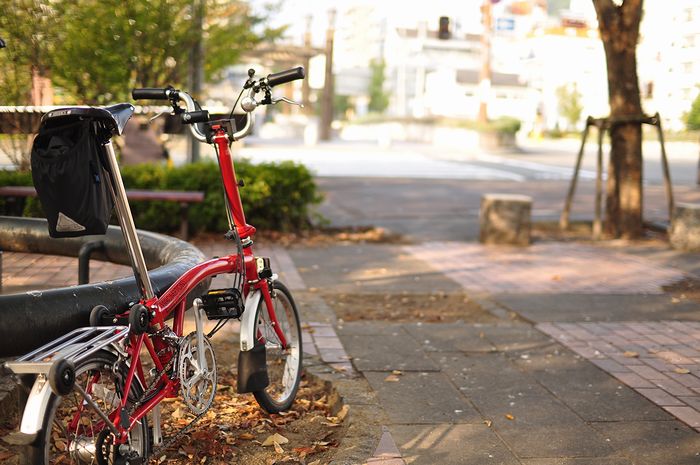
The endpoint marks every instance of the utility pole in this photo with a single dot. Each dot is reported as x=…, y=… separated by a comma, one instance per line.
x=327, y=101
x=305, y=87
x=485, y=74
x=196, y=68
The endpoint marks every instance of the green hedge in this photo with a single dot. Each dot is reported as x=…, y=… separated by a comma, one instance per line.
x=277, y=196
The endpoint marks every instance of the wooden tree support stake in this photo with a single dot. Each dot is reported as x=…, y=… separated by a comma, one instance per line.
x=603, y=125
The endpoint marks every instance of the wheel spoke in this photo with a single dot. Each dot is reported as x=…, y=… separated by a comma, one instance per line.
x=283, y=362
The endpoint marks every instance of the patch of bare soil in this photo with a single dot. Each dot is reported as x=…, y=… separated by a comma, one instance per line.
x=688, y=288
x=321, y=236
x=581, y=231
x=429, y=308
x=237, y=430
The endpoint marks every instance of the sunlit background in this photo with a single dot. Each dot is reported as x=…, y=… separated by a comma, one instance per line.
x=427, y=72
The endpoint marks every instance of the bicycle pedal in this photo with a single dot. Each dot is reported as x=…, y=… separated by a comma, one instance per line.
x=220, y=304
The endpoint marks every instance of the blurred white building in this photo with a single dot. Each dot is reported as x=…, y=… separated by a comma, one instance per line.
x=669, y=59
x=428, y=74
x=533, y=55
x=567, y=56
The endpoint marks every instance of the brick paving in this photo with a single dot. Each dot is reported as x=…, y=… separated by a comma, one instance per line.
x=660, y=360
x=26, y=271
x=22, y=272
x=545, y=268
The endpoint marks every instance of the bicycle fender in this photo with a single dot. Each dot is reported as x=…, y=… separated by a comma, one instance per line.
x=38, y=401
x=35, y=409
x=248, y=321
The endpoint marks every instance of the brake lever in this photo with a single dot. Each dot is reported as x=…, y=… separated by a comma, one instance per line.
x=276, y=100
x=153, y=118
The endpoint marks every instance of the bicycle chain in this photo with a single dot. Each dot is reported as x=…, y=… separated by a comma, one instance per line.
x=153, y=384
x=142, y=399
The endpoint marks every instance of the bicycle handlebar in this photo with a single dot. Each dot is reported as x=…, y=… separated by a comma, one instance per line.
x=194, y=114
x=198, y=116
x=151, y=93
x=286, y=76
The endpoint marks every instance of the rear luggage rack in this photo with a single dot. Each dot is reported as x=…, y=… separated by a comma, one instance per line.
x=73, y=347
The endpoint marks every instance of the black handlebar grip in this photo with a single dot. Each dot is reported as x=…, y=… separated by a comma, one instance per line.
x=283, y=77
x=150, y=93
x=198, y=116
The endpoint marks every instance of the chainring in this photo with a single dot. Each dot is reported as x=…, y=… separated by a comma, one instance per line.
x=197, y=384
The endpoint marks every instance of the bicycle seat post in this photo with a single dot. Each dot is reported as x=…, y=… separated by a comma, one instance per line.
x=126, y=220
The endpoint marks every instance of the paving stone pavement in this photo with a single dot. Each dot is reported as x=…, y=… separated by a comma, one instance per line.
x=551, y=267
x=660, y=360
x=509, y=392
x=506, y=393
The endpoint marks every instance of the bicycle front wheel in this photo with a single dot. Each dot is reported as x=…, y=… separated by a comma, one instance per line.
x=283, y=363
x=72, y=431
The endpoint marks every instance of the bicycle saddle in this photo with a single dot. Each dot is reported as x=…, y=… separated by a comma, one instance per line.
x=114, y=117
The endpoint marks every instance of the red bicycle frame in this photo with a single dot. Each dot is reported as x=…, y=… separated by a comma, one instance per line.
x=173, y=301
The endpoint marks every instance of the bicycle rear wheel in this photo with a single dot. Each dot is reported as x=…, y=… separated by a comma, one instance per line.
x=71, y=429
x=283, y=363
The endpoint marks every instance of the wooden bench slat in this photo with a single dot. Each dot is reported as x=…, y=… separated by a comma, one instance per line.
x=184, y=198
x=132, y=194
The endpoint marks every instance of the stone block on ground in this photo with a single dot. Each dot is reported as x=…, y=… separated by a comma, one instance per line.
x=684, y=233
x=505, y=219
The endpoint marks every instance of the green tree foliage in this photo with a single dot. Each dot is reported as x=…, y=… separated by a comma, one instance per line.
x=570, y=106
x=99, y=50
x=378, y=99
x=693, y=118
x=28, y=29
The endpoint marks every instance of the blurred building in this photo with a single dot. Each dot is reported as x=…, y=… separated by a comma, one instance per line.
x=431, y=64
x=567, y=55
x=537, y=47
x=669, y=59
x=414, y=54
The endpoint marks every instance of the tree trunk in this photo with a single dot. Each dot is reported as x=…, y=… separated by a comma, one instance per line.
x=619, y=30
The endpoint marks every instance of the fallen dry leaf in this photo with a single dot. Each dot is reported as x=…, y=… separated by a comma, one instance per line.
x=631, y=354
x=391, y=379
x=278, y=448
x=509, y=416
x=556, y=277
x=343, y=412
x=275, y=438
x=397, y=372
x=488, y=423
x=682, y=371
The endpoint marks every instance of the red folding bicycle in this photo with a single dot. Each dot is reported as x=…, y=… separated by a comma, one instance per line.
x=97, y=390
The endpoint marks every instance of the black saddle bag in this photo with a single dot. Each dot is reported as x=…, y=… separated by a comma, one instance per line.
x=71, y=180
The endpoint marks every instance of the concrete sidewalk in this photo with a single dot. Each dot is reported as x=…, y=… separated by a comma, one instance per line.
x=600, y=366
x=526, y=391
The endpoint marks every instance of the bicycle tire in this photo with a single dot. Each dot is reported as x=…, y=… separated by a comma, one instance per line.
x=47, y=443
x=279, y=395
